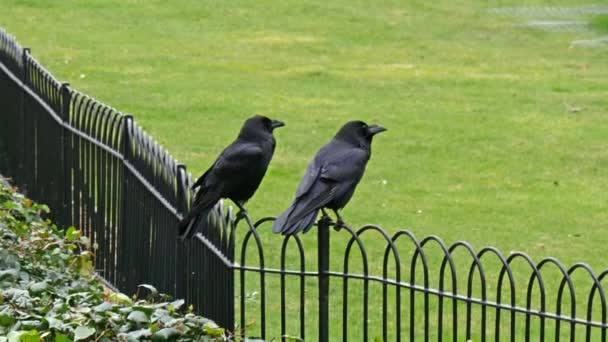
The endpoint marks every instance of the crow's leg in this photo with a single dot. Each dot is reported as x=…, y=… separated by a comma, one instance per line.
x=325, y=217
x=340, y=223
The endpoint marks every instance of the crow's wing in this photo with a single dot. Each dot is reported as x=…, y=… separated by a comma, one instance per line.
x=332, y=152
x=228, y=167
x=237, y=157
x=335, y=170
x=311, y=175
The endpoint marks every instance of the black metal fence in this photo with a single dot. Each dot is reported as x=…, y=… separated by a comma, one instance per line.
x=99, y=171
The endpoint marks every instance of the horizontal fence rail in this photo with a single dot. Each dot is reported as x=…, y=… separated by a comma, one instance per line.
x=99, y=171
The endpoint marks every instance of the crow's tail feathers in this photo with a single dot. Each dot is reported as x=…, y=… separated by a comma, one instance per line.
x=285, y=225
x=187, y=226
x=306, y=223
x=279, y=224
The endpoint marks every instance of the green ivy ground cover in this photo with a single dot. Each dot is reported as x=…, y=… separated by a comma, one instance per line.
x=48, y=291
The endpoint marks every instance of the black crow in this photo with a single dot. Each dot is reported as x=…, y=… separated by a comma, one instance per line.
x=237, y=172
x=331, y=178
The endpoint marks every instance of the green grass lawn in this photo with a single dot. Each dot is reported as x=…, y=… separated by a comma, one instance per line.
x=497, y=130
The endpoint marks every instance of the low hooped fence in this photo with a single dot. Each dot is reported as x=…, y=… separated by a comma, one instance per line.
x=405, y=289
x=98, y=170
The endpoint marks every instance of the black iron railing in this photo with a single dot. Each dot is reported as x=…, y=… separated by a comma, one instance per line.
x=99, y=171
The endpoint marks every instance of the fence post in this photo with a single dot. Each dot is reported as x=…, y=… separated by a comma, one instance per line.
x=323, y=255
x=66, y=201
x=181, y=267
x=125, y=150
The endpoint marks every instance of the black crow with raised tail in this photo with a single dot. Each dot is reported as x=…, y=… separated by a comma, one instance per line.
x=237, y=172
x=331, y=178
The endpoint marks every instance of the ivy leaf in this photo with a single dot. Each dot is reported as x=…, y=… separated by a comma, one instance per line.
x=72, y=234
x=6, y=320
x=38, y=287
x=23, y=336
x=85, y=242
x=198, y=320
x=8, y=259
x=138, y=334
x=147, y=309
x=159, y=314
x=165, y=334
x=126, y=310
x=30, y=336
x=213, y=330
x=10, y=236
x=15, y=336
x=103, y=307
x=152, y=289
x=175, y=305
x=31, y=324
x=62, y=338
x=82, y=332
x=120, y=298
x=138, y=317
x=55, y=323
x=12, y=273
x=81, y=309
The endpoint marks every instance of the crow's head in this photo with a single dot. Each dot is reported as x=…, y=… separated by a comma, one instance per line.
x=358, y=132
x=259, y=125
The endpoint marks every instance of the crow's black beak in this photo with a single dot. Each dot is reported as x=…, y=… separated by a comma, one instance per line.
x=375, y=129
x=276, y=124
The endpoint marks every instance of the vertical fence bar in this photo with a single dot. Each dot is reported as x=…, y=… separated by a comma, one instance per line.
x=323, y=250
x=24, y=170
x=124, y=197
x=181, y=265
x=20, y=124
x=66, y=199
